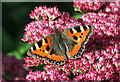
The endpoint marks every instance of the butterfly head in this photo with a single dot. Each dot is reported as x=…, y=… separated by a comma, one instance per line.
x=56, y=32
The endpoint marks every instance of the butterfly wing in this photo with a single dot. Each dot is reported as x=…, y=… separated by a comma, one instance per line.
x=79, y=35
x=56, y=58
x=41, y=49
x=47, y=49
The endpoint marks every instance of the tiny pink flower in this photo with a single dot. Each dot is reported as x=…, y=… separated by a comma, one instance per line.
x=88, y=65
x=74, y=72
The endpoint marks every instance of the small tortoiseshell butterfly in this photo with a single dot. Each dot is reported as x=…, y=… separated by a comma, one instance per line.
x=58, y=47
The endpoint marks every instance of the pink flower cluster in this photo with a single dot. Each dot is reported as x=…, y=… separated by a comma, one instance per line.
x=38, y=29
x=44, y=13
x=52, y=74
x=112, y=7
x=31, y=61
x=100, y=59
x=104, y=24
x=101, y=42
x=91, y=5
x=96, y=65
x=84, y=5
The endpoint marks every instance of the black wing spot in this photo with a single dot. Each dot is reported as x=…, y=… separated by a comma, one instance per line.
x=85, y=28
x=78, y=54
x=43, y=50
x=40, y=49
x=89, y=26
x=34, y=48
x=51, y=61
x=47, y=48
x=75, y=37
x=81, y=48
x=46, y=40
x=78, y=29
x=71, y=31
x=81, y=33
x=48, y=59
x=57, y=62
x=80, y=36
x=40, y=44
x=54, y=61
x=79, y=51
x=51, y=52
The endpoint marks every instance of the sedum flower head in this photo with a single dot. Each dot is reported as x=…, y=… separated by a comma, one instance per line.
x=101, y=57
x=38, y=29
x=112, y=7
x=85, y=5
x=104, y=24
x=44, y=13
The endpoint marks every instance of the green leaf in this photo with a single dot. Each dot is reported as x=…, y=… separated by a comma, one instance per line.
x=39, y=67
x=77, y=15
x=20, y=50
x=72, y=76
x=87, y=71
x=80, y=70
x=72, y=69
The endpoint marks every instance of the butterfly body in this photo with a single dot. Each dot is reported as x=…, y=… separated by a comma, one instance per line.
x=60, y=46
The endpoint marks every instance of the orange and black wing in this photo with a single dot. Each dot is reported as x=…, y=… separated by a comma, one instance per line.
x=80, y=36
x=44, y=50
x=55, y=58
x=40, y=49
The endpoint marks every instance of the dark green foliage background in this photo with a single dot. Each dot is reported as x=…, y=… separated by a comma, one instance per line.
x=15, y=16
